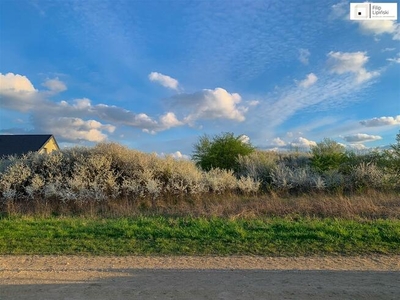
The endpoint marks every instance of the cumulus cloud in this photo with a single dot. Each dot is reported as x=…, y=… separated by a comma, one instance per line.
x=177, y=155
x=278, y=142
x=351, y=62
x=358, y=146
x=308, y=81
x=361, y=137
x=16, y=92
x=379, y=27
x=374, y=27
x=73, y=120
x=16, y=83
x=302, y=142
x=55, y=85
x=244, y=139
x=164, y=80
x=73, y=129
x=211, y=104
x=382, y=121
x=169, y=120
x=304, y=55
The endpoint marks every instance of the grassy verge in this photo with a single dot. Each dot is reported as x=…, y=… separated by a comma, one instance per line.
x=198, y=236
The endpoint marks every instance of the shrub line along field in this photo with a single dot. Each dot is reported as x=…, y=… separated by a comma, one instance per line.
x=198, y=236
x=110, y=200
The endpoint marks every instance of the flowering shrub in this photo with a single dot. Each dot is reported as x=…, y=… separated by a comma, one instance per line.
x=109, y=171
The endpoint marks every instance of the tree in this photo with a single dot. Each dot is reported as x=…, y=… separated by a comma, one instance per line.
x=396, y=147
x=327, y=155
x=222, y=151
x=395, y=155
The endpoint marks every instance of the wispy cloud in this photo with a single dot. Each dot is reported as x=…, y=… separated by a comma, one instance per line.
x=304, y=55
x=395, y=59
x=388, y=49
x=55, y=85
x=164, y=80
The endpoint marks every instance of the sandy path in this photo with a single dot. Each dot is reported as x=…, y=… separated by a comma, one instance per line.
x=58, y=269
x=78, y=278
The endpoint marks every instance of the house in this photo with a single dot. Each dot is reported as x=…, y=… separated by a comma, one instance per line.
x=19, y=144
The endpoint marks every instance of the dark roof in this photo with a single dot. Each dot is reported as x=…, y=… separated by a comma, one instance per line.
x=19, y=144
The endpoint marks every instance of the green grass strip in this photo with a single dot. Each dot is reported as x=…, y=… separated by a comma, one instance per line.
x=198, y=236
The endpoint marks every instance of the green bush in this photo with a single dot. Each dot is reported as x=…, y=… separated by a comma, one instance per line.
x=222, y=151
x=327, y=155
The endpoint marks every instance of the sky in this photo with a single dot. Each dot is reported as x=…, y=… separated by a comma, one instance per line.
x=156, y=75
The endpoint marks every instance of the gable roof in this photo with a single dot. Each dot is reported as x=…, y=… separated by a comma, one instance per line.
x=19, y=144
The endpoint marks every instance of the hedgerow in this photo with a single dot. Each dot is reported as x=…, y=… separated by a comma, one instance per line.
x=110, y=171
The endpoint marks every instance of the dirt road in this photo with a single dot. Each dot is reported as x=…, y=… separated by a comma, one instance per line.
x=72, y=277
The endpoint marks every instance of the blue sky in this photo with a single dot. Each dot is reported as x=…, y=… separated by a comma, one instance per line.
x=155, y=75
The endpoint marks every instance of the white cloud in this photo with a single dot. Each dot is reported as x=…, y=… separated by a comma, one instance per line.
x=382, y=121
x=388, y=49
x=328, y=92
x=16, y=92
x=351, y=62
x=253, y=103
x=278, y=142
x=179, y=155
x=395, y=59
x=302, y=142
x=55, y=85
x=164, y=80
x=244, y=139
x=74, y=129
x=379, y=27
x=176, y=155
x=308, y=81
x=340, y=10
x=16, y=83
x=169, y=120
x=211, y=104
x=358, y=146
x=361, y=137
x=375, y=27
x=74, y=120
x=304, y=55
